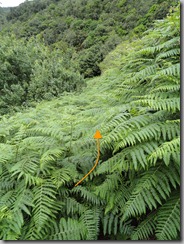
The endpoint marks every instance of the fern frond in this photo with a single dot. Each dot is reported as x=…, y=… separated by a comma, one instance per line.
x=173, y=70
x=45, y=205
x=110, y=221
x=24, y=200
x=109, y=185
x=116, y=199
x=72, y=206
x=115, y=121
x=168, y=219
x=145, y=229
x=166, y=88
x=170, y=53
x=16, y=222
x=91, y=219
x=123, y=127
x=137, y=155
x=54, y=131
x=137, y=136
x=8, y=199
x=133, y=157
x=7, y=153
x=32, y=233
x=16, y=205
x=48, y=158
x=168, y=104
x=171, y=130
x=113, y=224
x=62, y=176
x=69, y=229
x=25, y=167
x=167, y=151
x=12, y=226
x=150, y=190
x=86, y=195
x=175, y=41
x=6, y=181
x=144, y=73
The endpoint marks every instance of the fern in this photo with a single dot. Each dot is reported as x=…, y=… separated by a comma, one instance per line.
x=72, y=206
x=145, y=229
x=171, y=53
x=168, y=104
x=173, y=70
x=15, y=204
x=91, y=220
x=45, y=205
x=168, y=219
x=69, y=229
x=25, y=166
x=86, y=195
x=149, y=192
x=136, y=136
x=167, y=151
x=110, y=184
x=112, y=224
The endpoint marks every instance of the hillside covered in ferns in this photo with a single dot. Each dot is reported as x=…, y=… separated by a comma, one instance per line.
x=46, y=147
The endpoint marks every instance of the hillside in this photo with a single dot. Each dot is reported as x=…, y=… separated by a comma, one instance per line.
x=50, y=47
x=90, y=28
x=3, y=15
x=134, y=192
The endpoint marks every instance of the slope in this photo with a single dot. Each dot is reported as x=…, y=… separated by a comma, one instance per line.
x=91, y=29
x=134, y=192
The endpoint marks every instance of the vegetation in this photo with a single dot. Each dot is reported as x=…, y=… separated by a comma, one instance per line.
x=92, y=27
x=3, y=14
x=134, y=193
x=30, y=71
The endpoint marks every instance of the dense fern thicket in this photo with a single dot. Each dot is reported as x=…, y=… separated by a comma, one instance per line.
x=91, y=28
x=134, y=192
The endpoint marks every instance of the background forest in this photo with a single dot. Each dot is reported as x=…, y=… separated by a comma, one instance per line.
x=67, y=69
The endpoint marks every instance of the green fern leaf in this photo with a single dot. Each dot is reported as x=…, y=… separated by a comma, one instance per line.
x=167, y=151
x=45, y=205
x=150, y=190
x=69, y=229
x=168, y=219
x=145, y=229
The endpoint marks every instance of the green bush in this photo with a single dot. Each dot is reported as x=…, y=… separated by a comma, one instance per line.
x=83, y=24
x=30, y=71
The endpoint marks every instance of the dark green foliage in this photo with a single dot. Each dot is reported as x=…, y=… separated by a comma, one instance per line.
x=92, y=27
x=30, y=71
x=134, y=193
x=3, y=14
x=156, y=12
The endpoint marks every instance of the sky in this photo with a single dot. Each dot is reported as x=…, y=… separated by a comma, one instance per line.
x=10, y=3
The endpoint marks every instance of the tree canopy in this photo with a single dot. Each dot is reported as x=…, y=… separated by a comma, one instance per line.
x=92, y=27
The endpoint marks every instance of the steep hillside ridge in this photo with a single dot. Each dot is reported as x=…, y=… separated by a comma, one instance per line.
x=91, y=28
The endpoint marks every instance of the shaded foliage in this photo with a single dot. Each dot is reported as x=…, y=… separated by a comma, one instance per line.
x=30, y=71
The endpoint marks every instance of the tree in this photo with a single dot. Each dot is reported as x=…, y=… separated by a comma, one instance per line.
x=30, y=72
